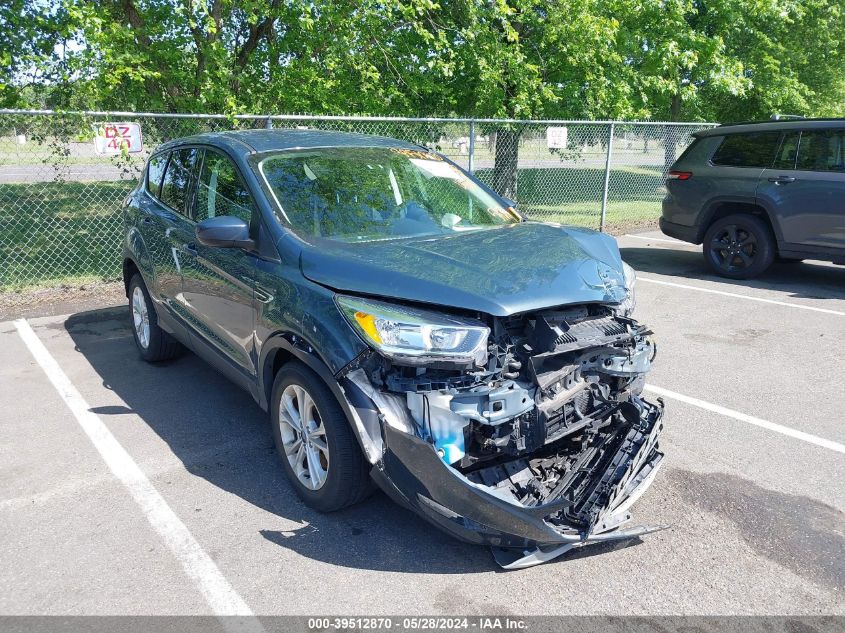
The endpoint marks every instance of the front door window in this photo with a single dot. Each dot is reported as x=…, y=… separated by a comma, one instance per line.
x=221, y=190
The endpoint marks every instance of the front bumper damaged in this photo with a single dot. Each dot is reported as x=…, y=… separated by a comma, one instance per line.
x=556, y=467
x=412, y=473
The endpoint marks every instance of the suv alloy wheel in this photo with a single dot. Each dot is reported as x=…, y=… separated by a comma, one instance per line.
x=739, y=246
x=153, y=343
x=320, y=455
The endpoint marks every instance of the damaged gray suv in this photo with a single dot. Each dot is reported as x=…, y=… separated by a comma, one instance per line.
x=403, y=325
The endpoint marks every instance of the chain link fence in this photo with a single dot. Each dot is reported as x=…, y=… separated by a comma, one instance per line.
x=60, y=221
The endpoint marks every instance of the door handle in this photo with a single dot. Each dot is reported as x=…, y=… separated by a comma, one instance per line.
x=782, y=180
x=190, y=249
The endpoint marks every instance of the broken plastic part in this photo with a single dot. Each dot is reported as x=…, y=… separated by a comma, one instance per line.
x=522, y=559
x=391, y=406
x=552, y=424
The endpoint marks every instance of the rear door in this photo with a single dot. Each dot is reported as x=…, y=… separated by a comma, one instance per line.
x=739, y=162
x=217, y=283
x=164, y=220
x=806, y=189
x=177, y=189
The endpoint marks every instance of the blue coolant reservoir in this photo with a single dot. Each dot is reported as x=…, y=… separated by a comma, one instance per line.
x=451, y=447
x=437, y=421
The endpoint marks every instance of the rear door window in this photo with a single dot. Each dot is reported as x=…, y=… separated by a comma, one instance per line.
x=748, y=150
x=221, y=191
x=155, y=170
x=178, y=183
x=822, y=150
x=788, y=151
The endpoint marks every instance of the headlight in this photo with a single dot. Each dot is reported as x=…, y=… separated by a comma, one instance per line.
x=629, y=303
x=416, y=337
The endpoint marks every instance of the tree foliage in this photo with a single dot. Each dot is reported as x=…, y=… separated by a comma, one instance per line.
x=659, y=59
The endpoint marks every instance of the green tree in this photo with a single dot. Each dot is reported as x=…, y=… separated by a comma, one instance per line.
x=793, y=56
x=728, y=60
x=520, y=59
x=29, y=35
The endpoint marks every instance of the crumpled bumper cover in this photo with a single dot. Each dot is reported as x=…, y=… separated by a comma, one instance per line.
x=412, y=474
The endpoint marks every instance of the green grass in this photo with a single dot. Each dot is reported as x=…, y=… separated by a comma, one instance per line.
x=619, y=214
x=59, y=233
x=70, y=233
x=44, y=153
x=573, y=196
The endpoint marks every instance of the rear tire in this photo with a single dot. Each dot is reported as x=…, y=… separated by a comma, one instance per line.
x=153, y=343
x=739, y=246
x=319, y=452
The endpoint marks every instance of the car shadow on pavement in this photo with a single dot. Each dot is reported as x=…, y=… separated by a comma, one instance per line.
x=221, y=435
x=806, y=280
x=801, y=534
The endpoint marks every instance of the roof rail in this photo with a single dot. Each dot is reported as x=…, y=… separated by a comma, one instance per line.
x=787, y=117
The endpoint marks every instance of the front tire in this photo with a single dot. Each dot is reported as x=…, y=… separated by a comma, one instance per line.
x=153, y=343
x=319, y=452
x=739, y=246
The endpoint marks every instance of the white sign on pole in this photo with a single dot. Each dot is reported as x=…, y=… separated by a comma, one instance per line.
x=556, y=137
x=118, y=138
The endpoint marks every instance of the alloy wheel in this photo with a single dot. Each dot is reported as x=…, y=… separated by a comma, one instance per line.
x=141, y=317
x=733, y=248
x=304, y=437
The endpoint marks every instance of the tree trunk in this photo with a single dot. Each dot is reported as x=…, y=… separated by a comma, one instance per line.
x=507, y=159
x=670, y=133
x=264, y=29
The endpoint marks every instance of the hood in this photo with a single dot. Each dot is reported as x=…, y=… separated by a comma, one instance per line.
x=500, y=271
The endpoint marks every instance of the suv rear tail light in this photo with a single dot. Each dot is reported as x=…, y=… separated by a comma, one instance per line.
x=679, y=175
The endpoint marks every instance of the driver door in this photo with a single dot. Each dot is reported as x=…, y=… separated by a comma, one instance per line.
x=217, y=283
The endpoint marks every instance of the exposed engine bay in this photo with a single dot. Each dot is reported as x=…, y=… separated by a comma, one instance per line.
x=554, y=417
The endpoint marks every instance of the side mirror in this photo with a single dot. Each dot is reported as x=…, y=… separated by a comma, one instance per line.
x=225, y=231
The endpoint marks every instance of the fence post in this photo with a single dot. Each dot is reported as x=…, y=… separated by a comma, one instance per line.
x=606, y=176
x=471, y=145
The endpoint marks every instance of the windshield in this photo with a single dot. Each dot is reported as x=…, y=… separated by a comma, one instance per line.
x=366, y=193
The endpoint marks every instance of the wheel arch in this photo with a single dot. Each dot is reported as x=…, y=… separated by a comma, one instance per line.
x=129, y=270
x=136, y=259
x=732, y=206
x=282, y=348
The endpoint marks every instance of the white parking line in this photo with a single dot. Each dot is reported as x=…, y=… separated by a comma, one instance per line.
x=750, y=419
x=221, y=597
x=739, y=296
x=658, y=239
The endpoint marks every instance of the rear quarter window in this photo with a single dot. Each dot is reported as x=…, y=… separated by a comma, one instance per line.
x=179, y=179
x=822, y=150
x=692, y=147
x=757, y=149
x=155, y=170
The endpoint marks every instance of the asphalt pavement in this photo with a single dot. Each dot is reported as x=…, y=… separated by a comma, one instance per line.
x=98, y=473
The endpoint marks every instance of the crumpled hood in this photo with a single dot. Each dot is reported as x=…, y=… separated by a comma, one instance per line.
x=500, y=271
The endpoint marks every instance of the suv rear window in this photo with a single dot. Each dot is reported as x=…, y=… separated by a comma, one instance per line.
x=747, y=150
x=822, y=150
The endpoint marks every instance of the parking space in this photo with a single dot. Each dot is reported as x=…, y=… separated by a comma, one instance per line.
x=755, y=514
